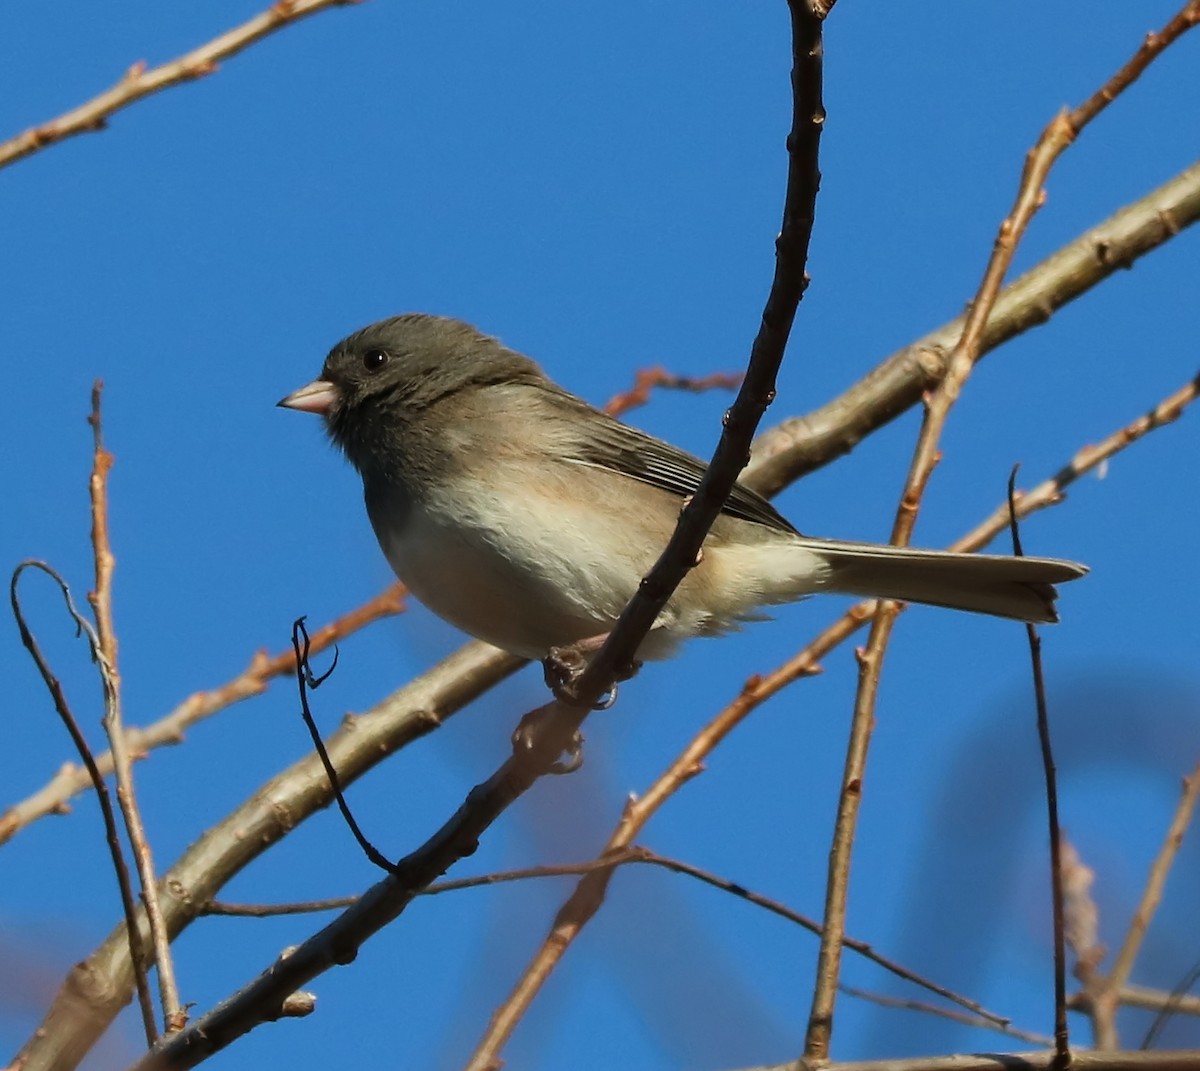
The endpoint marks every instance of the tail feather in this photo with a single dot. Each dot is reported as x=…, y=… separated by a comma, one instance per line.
x=1019, y=588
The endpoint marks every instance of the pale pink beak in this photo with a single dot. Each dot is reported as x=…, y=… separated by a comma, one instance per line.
x=318, y=397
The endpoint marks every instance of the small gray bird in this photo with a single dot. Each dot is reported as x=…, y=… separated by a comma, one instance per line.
x=526, y=517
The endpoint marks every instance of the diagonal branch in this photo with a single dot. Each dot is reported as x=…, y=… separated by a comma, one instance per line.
x=141, y=82
x=758, y=388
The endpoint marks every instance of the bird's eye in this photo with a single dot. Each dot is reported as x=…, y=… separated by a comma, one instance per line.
x=374, y=360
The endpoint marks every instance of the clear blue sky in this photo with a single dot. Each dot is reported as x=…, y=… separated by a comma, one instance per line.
x=599, y=186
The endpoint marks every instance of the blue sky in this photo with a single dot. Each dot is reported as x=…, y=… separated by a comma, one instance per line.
x=600, y=187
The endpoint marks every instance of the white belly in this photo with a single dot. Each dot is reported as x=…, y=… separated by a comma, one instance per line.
x=524, y=594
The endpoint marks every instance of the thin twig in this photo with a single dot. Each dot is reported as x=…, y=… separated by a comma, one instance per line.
x=305, y=679
x=1058, y=135
x=647, y=379
x=133, y=934
x=1062, y=1040
x=610, y=860
x=1156, y=881
x=864, y=949
x=1172, y=1005
x=140, y=82
x=955, y=1016
x=101, y=601
x=71, y=780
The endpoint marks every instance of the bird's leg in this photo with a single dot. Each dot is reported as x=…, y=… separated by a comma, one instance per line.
x=564, y=665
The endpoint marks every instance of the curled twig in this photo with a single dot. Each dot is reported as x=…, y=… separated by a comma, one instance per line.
x=305, y=679
x=53, y=685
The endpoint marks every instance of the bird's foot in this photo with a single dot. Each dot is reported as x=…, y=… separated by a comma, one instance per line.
x=563, y=666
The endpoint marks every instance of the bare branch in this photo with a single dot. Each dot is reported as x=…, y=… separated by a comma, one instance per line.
x=952, y=1014
x=1062, y=1042
x=140, y=82
x=1057, y=136
x=1184, y=1060
x=1157, y=879
x=758, y=388
x=101, y=600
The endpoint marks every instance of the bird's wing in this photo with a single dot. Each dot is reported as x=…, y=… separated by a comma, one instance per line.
x=612, y=445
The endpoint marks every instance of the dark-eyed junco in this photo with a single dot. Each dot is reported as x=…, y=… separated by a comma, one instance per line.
x=526, y=517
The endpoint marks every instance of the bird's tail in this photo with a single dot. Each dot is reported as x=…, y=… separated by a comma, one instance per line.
x=1020, y=588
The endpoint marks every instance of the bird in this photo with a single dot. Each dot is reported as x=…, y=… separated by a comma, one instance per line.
x=526, y=517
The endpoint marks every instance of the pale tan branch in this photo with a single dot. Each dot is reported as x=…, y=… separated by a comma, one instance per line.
x=101, y=601
x=140, y=81
x=1140, y=996
x=1156, y=881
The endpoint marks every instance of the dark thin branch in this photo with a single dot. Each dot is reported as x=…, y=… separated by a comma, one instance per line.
x=952, y=1014
x=1177, y=994
x=54, y=686
x=1062, y=1040
x=758, y=388
x=609, y=861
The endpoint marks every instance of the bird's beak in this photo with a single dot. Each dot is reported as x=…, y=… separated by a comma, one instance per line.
x=318, y=397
